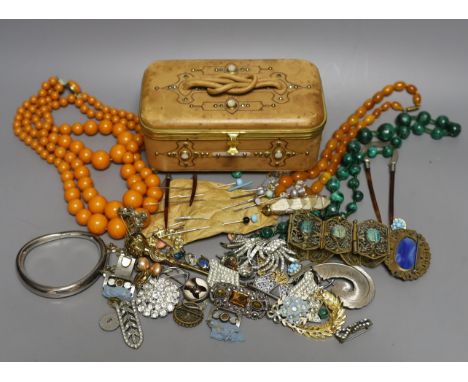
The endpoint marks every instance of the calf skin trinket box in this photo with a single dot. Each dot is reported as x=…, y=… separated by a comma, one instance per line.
x=225, y=115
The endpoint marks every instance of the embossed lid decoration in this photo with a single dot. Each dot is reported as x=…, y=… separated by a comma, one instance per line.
x=179, y=94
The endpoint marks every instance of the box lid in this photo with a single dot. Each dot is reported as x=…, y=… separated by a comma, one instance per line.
x=255, y=98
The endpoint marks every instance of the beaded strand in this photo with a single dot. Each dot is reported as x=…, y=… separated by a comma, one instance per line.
x=393, y=136
x=34, y=125
x=336, y=146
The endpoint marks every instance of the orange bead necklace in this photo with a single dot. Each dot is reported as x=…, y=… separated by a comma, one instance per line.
x=336, y=147
x=34, y=125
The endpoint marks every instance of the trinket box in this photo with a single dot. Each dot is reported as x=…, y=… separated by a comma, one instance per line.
x=226, y=115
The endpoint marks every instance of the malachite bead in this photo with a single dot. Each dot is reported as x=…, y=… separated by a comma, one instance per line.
x=333, y=184
x=417, y=129
x=385, y=132
x=403, y=132
x=437, y=133
x=403, y=119
x=355, y=169
x=354, y=146
x=347, y=159
x=332, y=209
x=358, y=196
x=372, y=152
x=266, y=232
x=342, y=173
x=351, y=208
x=353, y=183
x=453, y=129
x=323, y=313
x=387, y=151
x=442, y=121
x=359, y=157
x=424, y=118
x=337, y=197
x=364, y=136
x=236, y=174
x=282, y=227
x=396, y=142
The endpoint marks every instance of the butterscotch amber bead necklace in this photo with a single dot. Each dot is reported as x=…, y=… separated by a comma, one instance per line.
x=35, y=126
x=336, y=147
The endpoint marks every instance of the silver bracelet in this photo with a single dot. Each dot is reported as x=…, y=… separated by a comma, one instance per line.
x=66, y=290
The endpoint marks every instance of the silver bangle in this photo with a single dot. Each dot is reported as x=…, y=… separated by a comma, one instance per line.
x=66, y=290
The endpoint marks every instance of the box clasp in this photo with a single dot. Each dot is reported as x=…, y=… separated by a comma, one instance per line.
x=233, y=144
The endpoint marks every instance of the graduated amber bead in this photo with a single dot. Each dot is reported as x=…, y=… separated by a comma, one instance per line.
x=314, y=172
x=117, y=152
x=152, y=180
x=83, y=216
x=116, y=228
x=140, y=187
x=150, y=204
x=105, y=127
x=111, y=209
x=97, y=204
x=89, y=193
x=315, y=188
x=145, y=172
x=72, y=193
x=127, y=170
x=74, y=206
x=97, y=224
x=100, y=160
x=155, y=192
x=324, y=177
x=300, y=175
x=322, y=164
x=132, y=199
x=84, y=183
x=279, y=190
x=90, y=128
x=133, y=179
x=286, y=181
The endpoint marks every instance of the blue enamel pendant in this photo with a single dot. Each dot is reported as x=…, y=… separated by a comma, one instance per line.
x=409, y=257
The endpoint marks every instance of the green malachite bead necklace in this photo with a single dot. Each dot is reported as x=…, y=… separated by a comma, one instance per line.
x=389, y=139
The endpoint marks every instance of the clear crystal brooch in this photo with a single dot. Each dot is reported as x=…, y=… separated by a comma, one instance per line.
x=157, y=297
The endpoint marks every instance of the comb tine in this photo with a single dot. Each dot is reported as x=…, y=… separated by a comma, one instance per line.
x=194, y=189
x=167, y=184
